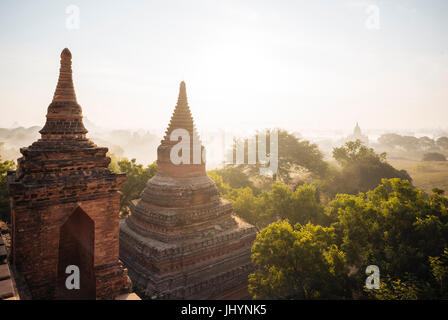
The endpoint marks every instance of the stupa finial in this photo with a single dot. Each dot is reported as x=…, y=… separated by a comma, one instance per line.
x=182, y=100
x=64, y=114
x=65, y=91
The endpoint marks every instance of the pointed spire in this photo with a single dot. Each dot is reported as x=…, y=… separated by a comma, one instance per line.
x=357, y=130
x=65, y=90
x=182, y=99
x=181, y=118
x=64, y=114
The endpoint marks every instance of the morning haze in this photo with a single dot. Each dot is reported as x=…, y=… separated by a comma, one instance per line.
x=298, y=65
x=319, y=172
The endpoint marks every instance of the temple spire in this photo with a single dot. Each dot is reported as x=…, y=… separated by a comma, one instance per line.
x=182, y=99
x=181, y=118
x=64, y=114
x=65, y=90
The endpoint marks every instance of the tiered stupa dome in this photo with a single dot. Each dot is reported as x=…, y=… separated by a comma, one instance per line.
x=181, y=240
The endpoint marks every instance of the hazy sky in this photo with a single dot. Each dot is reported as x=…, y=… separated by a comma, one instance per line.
x=247, y=64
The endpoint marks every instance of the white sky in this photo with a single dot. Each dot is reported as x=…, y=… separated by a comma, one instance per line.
x=247, y=64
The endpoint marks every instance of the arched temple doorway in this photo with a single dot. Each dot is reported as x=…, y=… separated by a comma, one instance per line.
x=76, y=247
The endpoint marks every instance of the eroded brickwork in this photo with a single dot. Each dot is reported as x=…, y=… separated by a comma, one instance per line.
x=181, y=240
x=61, y=174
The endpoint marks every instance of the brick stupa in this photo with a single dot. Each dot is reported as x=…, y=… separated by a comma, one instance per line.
x=181, y=240
x=64, y=206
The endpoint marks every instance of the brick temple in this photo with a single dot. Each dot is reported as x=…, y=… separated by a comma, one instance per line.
x=181, y=240
x=65, y=205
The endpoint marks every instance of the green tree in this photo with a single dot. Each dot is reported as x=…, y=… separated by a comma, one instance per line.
x=236, y=177
x=354, y=152
x=409, y=143
x=294, y=156
x=246, y=204
x=439, y=270
x=250, y=207
x=390, y=140
x=426, y=143
x=396, y=227
x=442, y=143
x=301, y=205
x=223, y=187
x=280, y=202
x=395, y=290
x=362, y=169
x=136, y=178
x=5, y=210
x=297, y=262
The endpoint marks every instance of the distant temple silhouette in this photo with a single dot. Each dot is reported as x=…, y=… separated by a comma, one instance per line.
x=182, y=240
x=357, y=135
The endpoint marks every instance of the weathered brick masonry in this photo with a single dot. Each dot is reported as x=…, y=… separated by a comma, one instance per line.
x=65, y=204
x=181, y=240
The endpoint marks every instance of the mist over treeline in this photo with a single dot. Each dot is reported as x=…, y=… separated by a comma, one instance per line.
x=142, y=144
x=320, y=206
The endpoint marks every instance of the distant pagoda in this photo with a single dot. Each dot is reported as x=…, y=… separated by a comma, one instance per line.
x=357, y=131
x=357, y=135
x=181, y=240
x=64, y=206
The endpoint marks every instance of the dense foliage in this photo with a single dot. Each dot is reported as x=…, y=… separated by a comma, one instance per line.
x=361, y=169
x=136, y=178
x=301, y=204
x=411, y=143
x=321, y=225
x=298, y=262
x=294, y=155
x=396, y=226
x=4, y=196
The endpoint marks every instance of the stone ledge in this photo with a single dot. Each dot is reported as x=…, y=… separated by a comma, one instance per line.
x=128, y=296
x=4, y=272
x=3, y=254
x=6, y=289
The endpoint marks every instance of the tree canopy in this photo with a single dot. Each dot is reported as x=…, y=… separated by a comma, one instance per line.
x=396, y=226
x=362, y=169
x=294, y=155
x=301, y=204
x=413, y=144
x=4, y=195
x=136, y=178
x=297, y=262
